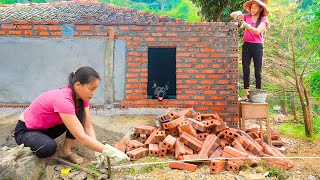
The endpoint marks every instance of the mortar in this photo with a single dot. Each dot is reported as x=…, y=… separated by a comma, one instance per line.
x=258, y=96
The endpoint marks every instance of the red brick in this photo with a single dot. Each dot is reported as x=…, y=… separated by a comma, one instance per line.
x=197, y=125
x=190, y=141
x=216, y=166
x=179, y=149
x=186, y=127
x=143, y=138
x=137, y=153
x=160, y=135
x=183, y=166
x=174, y=123
x=169, y=142
x=202, y=136
x=162, y=150
x=209, y=146
x=152, y=138
x=144, y=129
x=230, y=166
x=154, y=150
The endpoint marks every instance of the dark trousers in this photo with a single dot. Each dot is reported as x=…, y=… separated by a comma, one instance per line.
x=252, y=51
x=41, y=142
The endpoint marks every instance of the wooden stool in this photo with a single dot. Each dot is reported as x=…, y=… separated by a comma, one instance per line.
x=250, y=110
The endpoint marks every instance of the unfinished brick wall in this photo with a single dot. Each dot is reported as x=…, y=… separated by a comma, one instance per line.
x=206, y=60
x=206, y=65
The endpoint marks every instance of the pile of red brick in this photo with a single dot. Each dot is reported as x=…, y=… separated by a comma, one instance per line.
x=190, y=135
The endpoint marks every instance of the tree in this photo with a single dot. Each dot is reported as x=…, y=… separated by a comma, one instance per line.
x=218, y=10
x=299, y=44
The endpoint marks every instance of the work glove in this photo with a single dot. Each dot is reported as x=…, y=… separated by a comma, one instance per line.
x=245, y=25
x=100, y=159
x=236, y=14
x=114, y=154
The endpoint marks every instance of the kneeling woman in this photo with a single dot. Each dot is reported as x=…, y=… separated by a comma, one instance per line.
x=64, y=110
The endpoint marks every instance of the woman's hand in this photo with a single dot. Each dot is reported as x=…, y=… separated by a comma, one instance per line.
x=236, y=14
x=114, y=154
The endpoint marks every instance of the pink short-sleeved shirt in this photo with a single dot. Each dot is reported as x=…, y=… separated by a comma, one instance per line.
x=43, y=111
x=249, y=36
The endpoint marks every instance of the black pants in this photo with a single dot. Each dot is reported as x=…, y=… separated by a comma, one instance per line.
x=255, y=51
x=41, y=142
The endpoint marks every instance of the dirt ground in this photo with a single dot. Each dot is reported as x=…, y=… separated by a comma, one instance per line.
x=112, y=126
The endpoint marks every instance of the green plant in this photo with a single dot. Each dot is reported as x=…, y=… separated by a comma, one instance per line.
x=132, y=171
x=278, y=173
x=149, y=168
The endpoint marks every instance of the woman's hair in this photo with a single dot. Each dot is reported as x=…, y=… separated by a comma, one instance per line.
x=84, y=75
x=259, y=18
x=261, y=13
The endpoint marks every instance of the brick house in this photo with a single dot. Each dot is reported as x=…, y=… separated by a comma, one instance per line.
x=199, y=60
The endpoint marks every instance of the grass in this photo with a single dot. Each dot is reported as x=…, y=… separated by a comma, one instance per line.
x=147, y=168
x=298, y=130
x=273, y=172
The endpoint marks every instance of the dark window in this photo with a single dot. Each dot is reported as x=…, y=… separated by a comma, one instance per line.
x=162, y=70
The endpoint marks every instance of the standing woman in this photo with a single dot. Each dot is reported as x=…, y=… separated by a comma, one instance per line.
x=255, y=24
x=64, y=110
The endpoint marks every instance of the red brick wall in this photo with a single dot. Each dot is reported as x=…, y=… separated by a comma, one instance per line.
x=206, y=60
x=207, y=65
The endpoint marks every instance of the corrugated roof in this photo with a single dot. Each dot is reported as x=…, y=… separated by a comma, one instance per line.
x=79, y=12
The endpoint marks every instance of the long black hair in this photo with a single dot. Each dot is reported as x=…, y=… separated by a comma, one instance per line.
x=259, y=18
x=84, y=75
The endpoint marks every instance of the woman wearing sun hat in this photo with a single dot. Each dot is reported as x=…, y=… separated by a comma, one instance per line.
x=255, y=24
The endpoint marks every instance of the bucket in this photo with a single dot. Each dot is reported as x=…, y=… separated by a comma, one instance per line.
x=258, y=96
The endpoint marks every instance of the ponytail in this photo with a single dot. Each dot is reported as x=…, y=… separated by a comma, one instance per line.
x=83, y=75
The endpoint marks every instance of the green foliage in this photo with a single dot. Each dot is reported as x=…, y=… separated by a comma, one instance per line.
x=314, y=80
x=273, y=172
x=278, y=173
x=8, y=1
x=218, y=10
x=185, y=10
x=298, y=131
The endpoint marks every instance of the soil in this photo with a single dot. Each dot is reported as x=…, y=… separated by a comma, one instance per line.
x=111, y=127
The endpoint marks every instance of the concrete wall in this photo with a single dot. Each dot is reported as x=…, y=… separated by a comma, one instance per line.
x=119, y=69
x=31, y=66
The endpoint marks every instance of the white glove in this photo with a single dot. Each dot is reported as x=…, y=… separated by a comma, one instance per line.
x=114, y=154
x=236, y=14
x=245, y=25
x=100, y=159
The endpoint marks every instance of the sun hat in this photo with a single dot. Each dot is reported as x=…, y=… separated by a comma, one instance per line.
x=247, y=6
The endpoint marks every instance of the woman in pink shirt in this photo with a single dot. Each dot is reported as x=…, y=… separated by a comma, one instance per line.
x=64, y=110
x=255, y=24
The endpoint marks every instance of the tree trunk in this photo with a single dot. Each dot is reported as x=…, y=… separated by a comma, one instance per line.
x=293, y=107
x=304, y=99
x=284, y=106
x=305, y=108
